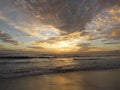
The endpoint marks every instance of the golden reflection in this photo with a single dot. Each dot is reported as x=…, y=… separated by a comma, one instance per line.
x=63, y=62
x=65, y=81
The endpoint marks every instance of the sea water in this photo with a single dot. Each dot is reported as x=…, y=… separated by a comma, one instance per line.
x=10, y=68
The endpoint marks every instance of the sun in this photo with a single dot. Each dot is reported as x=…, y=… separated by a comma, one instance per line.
x=62, y=44
x=62, y=47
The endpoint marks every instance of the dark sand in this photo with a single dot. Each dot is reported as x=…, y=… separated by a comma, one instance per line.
x=82, y=80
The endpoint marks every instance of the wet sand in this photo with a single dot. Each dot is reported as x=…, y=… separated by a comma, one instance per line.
x=82, y=80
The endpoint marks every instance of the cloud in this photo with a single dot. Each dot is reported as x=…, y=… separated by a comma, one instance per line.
x=62, y=44
x=105, y=25
x=85, y=47
x=1, y=45
x=23, y=21
x=36, y=47
x=71, y=38
x=39, y=17
x=112, y=43
x=8, y=38
x=33, y=29
x=40, y=31
x=66, y=15
x=70, y=43
x=63, y=23
x=113, y=33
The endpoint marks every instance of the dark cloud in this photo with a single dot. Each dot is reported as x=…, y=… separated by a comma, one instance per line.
x=113, y=33
x=1, y=45
x=36, y=47
x=88, y=47
x=66, y=15
x=110, y=43
x=84, y=47
x=8, y=38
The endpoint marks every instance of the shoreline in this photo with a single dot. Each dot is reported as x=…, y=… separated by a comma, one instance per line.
x=61, y=72
x=80, y=80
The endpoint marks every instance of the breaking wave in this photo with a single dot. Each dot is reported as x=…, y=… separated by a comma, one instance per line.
x=11, y=68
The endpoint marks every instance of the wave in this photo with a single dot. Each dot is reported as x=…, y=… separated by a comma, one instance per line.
x=23, y=57
x=7, y=62
x=82, y=66
x=53, y=56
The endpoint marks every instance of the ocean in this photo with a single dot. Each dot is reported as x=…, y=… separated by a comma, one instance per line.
x=20, y=67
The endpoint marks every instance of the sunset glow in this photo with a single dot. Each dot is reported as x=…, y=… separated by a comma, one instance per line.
x=59, y=26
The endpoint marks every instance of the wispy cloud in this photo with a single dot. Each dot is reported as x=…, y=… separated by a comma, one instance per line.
x=56, y=17
x=105, y=25
x=8, y=38
x=36, y=47
x=112, y=43
x=68, y=16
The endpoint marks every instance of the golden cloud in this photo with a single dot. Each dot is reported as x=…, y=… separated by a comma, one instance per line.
x=65, y=43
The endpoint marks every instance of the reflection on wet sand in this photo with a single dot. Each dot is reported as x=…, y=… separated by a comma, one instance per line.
x=83, y=80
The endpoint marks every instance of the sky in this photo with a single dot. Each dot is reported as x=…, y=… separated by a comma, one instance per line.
x=59, y=26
